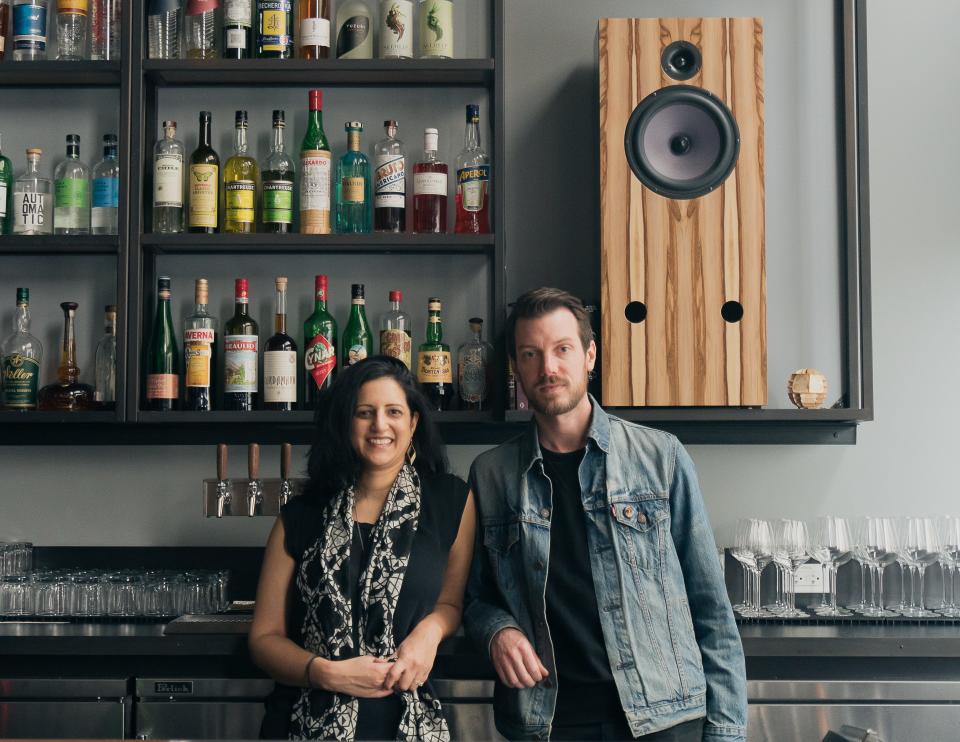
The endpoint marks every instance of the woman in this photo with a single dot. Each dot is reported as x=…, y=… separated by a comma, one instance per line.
x=363, y=575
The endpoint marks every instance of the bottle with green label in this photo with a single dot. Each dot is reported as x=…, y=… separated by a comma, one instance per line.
x=6, y=192
x=279, y=175
x=241, y=181
x=320, y=346
x=357, y=338
x=436, y=29
x=71, y=192
x=20, y=357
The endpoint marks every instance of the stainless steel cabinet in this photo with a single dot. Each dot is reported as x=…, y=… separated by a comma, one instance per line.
x=64, y=708
x=200, y=708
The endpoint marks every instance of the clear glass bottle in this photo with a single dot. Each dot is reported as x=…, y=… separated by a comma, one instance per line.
x=353, y=186
x=168, y=182
x=67, y=393
x=164, y=18
x=199, y=353
x=436, y=29
x=354, y=30
x=430, y=188
x=105, y=389
x=395, y=29
x=390, y=182
x=241, y=183
x=32, y=199
x=71, y=183
x=105, y=29
x=29, y=30
x=106, y=189
x=473, y=180
x=20, y=356
x=72, y=24
x=396, y=337
x=201, y=29
x=279, y=175
x=474, y=377
x=6, y=190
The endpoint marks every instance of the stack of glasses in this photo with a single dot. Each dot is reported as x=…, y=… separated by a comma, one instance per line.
x=875, y=543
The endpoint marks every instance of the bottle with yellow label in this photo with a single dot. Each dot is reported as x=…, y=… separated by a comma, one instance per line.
x=241, y=183
x=434, y=365
x=203, y=214
x=200, y=353
x=395, y=336
x=353, y=186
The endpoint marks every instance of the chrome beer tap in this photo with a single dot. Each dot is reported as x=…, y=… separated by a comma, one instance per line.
x=286, y=488
x=255, y=487
x=224, y=499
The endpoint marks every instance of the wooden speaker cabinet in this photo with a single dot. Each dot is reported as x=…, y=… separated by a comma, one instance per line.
x=683, y=315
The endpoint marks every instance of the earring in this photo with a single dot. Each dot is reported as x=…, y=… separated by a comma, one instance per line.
x=411, y=454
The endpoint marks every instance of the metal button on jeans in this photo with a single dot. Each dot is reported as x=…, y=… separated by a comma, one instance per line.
x=628, y=511
x=544, y=512
x=642, y=519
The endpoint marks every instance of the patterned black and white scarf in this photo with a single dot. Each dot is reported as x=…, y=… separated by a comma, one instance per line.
x=324, y=583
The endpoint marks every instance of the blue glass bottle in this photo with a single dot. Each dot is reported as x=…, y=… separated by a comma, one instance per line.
x=354, y=189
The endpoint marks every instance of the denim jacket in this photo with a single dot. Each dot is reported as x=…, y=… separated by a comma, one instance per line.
x=669, y=631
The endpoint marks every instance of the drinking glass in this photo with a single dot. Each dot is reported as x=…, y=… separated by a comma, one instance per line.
x=949, y=527
x=760, y=546
x=791, y=551
x=87, y=595
x=877, y=545
x=124, y=594
x=15, y=595
x=742, y=553
x=855, y=530
x=831, y=546
x=920, y=546
x=49, y=594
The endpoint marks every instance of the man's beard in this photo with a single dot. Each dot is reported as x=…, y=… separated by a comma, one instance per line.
x=558, y=405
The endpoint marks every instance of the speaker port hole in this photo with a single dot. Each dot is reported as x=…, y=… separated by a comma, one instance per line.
x=635, y=312
x=732, y=311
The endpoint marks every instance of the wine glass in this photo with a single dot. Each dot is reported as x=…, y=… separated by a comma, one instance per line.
x=741, y=551
x=791, y=551
x=949, y=527
x=877, y=544
x=761, y=545
x=832, y=547
x=857, y=556
x=920, y=545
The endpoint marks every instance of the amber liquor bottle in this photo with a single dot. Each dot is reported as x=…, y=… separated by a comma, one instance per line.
x=67, y=393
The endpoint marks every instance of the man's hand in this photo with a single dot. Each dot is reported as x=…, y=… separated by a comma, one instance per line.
x=515, y=660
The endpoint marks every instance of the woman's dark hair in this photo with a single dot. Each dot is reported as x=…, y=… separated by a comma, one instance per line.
x=333, y=464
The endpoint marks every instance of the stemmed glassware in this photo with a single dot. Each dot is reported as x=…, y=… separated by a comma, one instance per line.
x=877, y=548
x=754, y=549
x=949, y=527
x=791, y=551
x=832, y=547
x=856, y=529
x=920, y=546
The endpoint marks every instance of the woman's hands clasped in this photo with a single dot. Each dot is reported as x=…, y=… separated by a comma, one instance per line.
x=363, y=677
x=411, y=665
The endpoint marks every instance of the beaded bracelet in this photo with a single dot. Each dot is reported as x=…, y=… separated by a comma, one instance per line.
x=306, y=671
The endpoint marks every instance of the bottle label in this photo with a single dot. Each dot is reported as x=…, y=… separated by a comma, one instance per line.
x=29, y=211
x=278, y=201
x=274, y=24
x=472, y=182
x=471, y=375
x=434, y=367
x=168, y=181
x=240, y=197
x=106, y=193
x=30, y=26
x=430, y=184
x=356, y=353
x=80, y=7
x=236, y=38
x=70, y=193
x=3, y=200
x=397, y=343
x=20, y=375
x=436, y=28
x=352, y=190
x=239, y=12
x=280, y=376
x=315, y=191
x=198, y=356
x=352, y=34
x=204, y=184
x=320, y=358
x=315, y=32
x=240, y=363
x=396, y=31
x=162, y=386
x=391, y=181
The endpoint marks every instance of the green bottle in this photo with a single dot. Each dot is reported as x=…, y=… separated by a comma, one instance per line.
x=320, y=344
x=163, y=358
x=357, y=338
x=434, y=365
x=6, y=193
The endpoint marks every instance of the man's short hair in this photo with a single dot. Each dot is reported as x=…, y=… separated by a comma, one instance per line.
x=538, y=302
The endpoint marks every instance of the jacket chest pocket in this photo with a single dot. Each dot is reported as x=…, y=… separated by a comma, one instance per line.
x=641, y=523
x=501, y=541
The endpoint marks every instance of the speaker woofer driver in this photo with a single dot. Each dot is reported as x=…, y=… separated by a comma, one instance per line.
x=682, y=142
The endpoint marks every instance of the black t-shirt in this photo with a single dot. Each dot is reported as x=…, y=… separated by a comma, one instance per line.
x=586, y=691
x=442, y=500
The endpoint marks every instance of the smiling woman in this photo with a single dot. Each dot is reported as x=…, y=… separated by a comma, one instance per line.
x=364, y=574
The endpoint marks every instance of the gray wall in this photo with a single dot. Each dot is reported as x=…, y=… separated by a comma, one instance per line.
x=150, y=495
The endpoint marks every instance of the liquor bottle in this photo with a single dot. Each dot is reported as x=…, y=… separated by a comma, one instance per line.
x=72, y=29
x=354, y=196
x=274, y=29
x=4, y=26
x=430, y=188
x=204, y=210
x=319, y=346
x=163, y=359
x=395, y=30
x=32, y=202
x=71, y=182
x=396, y=338
x=241, y=345
x=67, y=394
x=280, y=359
x=434, y=368
x=199, y=353
x=473, y=180
x=106, y=189
x=354, y=30
x=314, y=21
x=29, y=30
x=168, y=182
x=241, y=181
x=436, y=29
x=105, y=29
x=201, y=29
x=474, y=370
x=105, y=391
x=237, y=29
x=390, y=182
x=357, y=339
x=315, y=172
x=276, y=206
x=163, y=29
x=6, y=191
x=20, y=357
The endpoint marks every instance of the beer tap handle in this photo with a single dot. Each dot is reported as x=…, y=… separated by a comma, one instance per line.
x=286, y=452
x=253, y=460
x=222, y=462
x=224, y=500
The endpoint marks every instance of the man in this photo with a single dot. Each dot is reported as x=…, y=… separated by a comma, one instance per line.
x=596, y=588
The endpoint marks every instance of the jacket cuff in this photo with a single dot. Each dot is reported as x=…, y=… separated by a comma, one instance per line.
x=723, y=733
x=507, y=622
